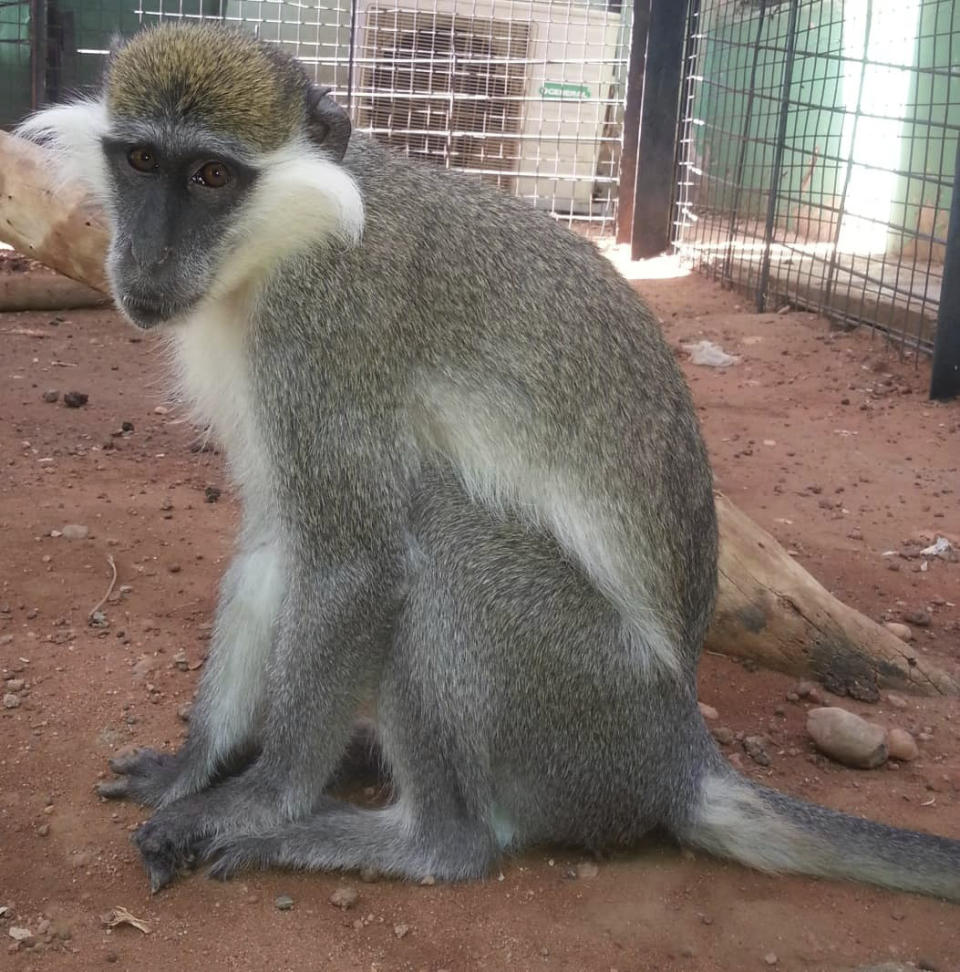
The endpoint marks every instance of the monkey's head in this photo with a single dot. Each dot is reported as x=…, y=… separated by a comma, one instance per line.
x=215, y=156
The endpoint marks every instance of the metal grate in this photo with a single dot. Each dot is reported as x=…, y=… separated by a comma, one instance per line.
x=818, y=147
x=526, y=93
x=446, y=88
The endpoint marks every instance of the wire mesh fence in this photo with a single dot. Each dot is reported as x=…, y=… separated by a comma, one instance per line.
x=818, y=147
x=528, y=95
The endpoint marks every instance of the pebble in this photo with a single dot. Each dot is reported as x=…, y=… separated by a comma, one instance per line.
x=771, y=958
x=587, y=870
x=11, y=701
x=345, y=898
x=16, y=685
x=211, y=494
x=755, y=747
x=74, y=399
x=901, y=745
x=51, y=395
x=807, y=690
x=897, y=701
x=401, y=930
x=126, y=426
x=902, y=631
x=369, y=875
x=847, y=738
x=19, y=934
x=722, y=734
x=283, y=902
x=183, y=711
x=708, y=711
x=75, y=531
x=921, y=619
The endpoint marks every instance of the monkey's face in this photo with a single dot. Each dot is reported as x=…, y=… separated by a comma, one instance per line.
x=174, y=197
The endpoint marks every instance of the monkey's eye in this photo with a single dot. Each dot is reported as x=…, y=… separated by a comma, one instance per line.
x=213, y=175
x=142, y=159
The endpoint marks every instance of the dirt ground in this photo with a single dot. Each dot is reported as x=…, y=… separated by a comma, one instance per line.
x=825, y=438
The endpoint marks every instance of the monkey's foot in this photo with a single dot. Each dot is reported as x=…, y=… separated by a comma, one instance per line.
x=183, y=832
x=146, y=777
x=241, y=854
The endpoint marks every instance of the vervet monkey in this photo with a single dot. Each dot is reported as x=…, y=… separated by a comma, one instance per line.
x=475, y=495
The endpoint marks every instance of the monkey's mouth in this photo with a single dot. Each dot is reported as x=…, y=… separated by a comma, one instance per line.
x=147, y=312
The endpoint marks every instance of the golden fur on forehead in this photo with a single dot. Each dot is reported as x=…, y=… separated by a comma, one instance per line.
x=221, y=78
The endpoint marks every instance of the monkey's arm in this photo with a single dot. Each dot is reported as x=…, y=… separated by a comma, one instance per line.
x=223, y=723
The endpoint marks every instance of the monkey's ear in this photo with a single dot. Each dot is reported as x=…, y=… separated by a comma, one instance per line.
x=328, y=125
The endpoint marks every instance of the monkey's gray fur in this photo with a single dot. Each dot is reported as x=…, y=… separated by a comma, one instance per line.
x=476, y=495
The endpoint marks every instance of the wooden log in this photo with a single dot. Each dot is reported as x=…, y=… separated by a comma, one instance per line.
x=57, y=224
x=769, y=609
x=30, y=290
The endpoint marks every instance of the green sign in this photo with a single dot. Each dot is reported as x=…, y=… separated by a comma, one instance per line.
x=564, y=92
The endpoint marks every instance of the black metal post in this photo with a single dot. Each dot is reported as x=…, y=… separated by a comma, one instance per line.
x=631, y=119
x=945, y=380
x=38, y=53
x=777, y=170
x=744, y=140
x=657, y=149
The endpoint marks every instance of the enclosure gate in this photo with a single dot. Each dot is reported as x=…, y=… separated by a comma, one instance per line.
x=818, y=158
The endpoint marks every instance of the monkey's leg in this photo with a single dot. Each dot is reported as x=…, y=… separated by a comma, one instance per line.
x=435, y=744
x=223, y=724
x=401, y=840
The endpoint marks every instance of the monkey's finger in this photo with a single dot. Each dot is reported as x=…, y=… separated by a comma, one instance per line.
x=139, y=761
x=114, y=790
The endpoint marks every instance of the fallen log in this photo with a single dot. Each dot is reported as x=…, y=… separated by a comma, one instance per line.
x=769, y=610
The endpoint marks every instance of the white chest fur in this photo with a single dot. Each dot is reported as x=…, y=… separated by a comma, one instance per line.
x=214, y=374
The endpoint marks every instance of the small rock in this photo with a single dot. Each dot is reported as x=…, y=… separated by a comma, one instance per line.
x=211, y=494
x=51, y=395
x=901, y=745
x=283, y=902
x=755, y=747
x=921, y=619
x=16, y=684
x=126, y=426
x=19, y=934
x=183, y=711
x=401, y=930
x=369, y=875
x=847, y=738
x=897, y=701
x=771, y=958
x=161, y=410
x=806, y=690
x=43, y=830
x=11, y=701
x=902, y=631
x=429, y=881
x=75, y=531
x=74, y=399
x=174, y=568
x=345, y=898
x=587, y=870
x=722, y=734
x=708, y=711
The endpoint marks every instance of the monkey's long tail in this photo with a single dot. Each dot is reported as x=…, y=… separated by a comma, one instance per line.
x=767, y=830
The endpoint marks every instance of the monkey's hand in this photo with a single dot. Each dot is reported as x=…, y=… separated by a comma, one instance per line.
x=145, y=776
x=180, y=833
